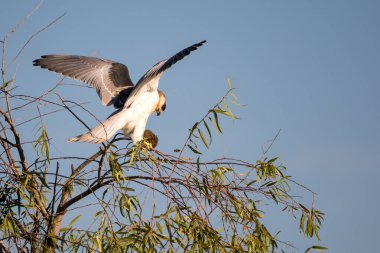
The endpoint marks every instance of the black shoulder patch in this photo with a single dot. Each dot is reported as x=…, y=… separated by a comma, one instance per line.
x=121, y=98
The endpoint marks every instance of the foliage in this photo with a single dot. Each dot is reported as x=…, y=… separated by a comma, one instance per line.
x=196, y=205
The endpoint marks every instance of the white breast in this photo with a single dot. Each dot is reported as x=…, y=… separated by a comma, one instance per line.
x=138, y=112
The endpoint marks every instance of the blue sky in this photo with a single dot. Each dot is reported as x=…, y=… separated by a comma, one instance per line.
x=309, y=68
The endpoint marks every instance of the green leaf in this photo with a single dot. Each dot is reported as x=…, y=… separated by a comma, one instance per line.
x=126, y=241
x=194, y=150
x=194, y=127
x=123, y=204
x=43, y=143
x=5, y=85
x=208, y=130
x=97, y=214
x=229, y=84
x=203, y=137
x=75, y=220
x=220, y=111
x=104, y=193
x=127, y=189
x=318, y=248
x=216, y=122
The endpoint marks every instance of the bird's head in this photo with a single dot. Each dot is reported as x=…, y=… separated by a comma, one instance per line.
x=161, y=105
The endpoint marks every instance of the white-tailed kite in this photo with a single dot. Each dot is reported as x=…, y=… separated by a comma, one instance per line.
x=114, y=87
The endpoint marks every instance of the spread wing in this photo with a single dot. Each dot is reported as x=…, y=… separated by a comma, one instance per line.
x=107, y=77
x=150, y=79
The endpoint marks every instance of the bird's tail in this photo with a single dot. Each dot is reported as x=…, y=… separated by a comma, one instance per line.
x=102, y=132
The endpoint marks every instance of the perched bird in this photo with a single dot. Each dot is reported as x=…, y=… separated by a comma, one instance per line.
x=114, y=87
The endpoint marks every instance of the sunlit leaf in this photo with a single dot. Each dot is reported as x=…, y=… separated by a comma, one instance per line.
x=74, y=220
x=203, y=138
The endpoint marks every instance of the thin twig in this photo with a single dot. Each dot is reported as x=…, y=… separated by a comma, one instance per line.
x=35, y=34
x=271, y=143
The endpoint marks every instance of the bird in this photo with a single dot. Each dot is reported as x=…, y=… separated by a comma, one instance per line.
x=111, y=80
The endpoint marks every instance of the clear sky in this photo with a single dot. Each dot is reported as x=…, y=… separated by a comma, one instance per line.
x=309, y=68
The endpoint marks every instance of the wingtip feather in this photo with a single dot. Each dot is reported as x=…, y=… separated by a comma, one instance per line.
x=73, y=139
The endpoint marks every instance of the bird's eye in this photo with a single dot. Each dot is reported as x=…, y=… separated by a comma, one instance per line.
x=163, y=107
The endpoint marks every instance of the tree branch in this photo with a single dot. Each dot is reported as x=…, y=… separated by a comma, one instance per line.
x=32, y=189
x=4, y=247
x=62, y=207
